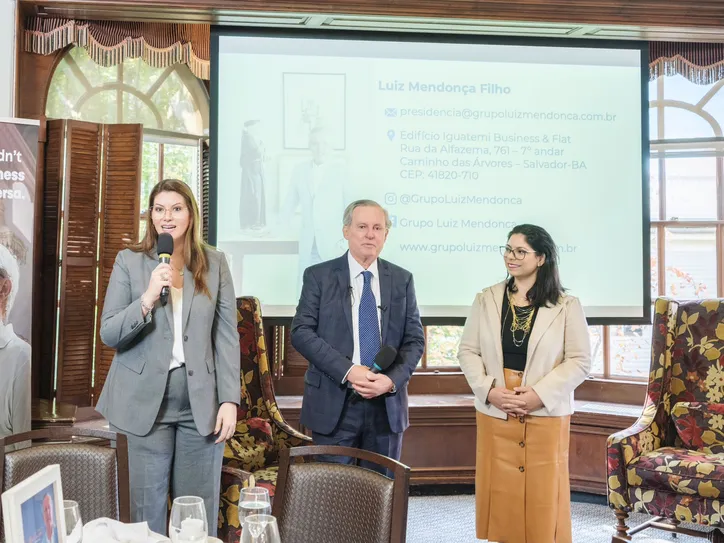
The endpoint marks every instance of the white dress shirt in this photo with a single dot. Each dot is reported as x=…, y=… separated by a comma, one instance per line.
x=357, y=281
x=177, y=354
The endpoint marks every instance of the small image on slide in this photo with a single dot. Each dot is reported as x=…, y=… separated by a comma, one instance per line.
x=252, y=205
x=313, y=100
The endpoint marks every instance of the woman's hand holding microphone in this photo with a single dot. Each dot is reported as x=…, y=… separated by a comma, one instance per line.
x=160, y=277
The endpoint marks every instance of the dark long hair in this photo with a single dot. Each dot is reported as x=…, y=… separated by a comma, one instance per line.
x=547, y=289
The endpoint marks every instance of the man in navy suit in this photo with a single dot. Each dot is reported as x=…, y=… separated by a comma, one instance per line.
x=349, y=308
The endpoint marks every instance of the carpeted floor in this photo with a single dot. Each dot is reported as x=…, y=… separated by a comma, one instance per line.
x=451, y=519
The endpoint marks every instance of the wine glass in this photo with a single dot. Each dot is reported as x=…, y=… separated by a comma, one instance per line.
x=260, y=529
x=253, y=501
x=188, y=520
x=73, y=522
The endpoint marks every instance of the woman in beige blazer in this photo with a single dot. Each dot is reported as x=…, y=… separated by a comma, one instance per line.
x=524, y=350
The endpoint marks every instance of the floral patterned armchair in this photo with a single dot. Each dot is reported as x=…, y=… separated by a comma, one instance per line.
x=251, y=456
x=667, y=464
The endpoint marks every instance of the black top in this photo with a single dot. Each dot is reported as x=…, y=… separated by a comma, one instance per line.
x=514, y=357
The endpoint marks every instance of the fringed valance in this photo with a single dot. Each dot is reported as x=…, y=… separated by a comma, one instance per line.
x=111, y=42
x=700, y=63
x=164, y=44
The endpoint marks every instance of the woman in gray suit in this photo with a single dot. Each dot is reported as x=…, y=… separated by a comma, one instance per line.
x=173, y=386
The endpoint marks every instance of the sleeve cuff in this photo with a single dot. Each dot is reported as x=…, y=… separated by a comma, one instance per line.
x=344, y=379
x=492, y=385
x=549, y=400
x=481, y=391
x=149, y=316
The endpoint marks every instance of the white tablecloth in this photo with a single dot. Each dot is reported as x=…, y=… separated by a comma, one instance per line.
x=112, y=531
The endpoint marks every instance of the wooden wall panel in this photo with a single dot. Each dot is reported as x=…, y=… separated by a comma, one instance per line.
x=32, y=80
x=439, y=445
x=588, y=457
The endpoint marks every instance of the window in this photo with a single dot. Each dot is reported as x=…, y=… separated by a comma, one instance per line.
x=442, y=348
x=686, y=204
x=171, y=103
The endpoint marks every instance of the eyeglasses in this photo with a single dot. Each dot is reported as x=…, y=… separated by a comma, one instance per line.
x=518, y=254
x=159, y=212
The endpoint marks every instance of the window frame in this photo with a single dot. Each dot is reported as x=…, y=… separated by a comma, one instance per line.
x=164, y=137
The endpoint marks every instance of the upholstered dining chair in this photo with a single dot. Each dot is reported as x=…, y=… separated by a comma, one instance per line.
x=670, y=463
x=319, y=502
x=92, y=473
x=251, y=456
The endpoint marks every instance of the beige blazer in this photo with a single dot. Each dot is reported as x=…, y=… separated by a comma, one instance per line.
x=559, y=353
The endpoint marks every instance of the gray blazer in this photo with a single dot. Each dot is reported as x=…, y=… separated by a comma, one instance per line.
x=135, y=385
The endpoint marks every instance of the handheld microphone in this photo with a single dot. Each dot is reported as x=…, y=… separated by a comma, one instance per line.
x=164, y=250
x=383, y=360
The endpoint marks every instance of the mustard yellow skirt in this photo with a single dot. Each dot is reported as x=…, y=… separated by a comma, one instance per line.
x=522, y=491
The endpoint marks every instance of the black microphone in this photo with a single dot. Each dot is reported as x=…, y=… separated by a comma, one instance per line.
x=382, y=308
x=383, y=360
x=164, y=250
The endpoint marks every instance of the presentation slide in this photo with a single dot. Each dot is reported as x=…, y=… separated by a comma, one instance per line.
x=459, y=142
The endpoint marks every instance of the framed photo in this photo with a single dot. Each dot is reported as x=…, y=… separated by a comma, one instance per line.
x=33, y=509
x=314, y=102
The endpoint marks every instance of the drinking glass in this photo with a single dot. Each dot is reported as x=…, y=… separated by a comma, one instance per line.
x=73, y=522
x=260, y=529
x=253, y=501
x=188, y=522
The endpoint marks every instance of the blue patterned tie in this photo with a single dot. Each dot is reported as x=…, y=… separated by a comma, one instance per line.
x=369, y=326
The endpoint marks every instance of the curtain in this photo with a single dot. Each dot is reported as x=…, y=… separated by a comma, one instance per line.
x=700, y=63
x=111, y=42
x=163, y=44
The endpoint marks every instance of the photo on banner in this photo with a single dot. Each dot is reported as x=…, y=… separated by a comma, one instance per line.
x=18, y=184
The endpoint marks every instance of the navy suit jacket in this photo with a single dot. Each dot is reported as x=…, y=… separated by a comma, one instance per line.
x=322, y=333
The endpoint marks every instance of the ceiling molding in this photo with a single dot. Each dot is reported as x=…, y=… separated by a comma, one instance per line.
x=652, y=20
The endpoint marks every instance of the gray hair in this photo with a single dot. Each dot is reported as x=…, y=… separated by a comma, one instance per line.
x=9, y=269
x=347, y=217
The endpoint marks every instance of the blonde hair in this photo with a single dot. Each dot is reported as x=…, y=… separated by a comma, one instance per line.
x=194, y=247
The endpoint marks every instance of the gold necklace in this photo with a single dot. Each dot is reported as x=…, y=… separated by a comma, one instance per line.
x=522, y=322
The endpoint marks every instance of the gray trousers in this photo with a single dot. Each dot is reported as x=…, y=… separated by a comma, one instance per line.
x=173, y=458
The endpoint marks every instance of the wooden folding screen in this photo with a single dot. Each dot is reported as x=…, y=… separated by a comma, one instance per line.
x=91, y=209
x=119, y=218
